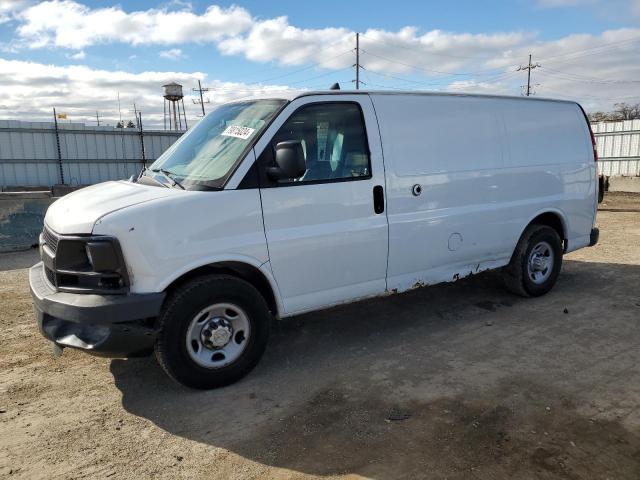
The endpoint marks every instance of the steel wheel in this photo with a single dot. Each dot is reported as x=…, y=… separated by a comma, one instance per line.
x=218, y=335
x=540, y=263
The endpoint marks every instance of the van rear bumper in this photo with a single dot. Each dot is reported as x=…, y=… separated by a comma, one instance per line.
x=105, y=325
x=593, y=238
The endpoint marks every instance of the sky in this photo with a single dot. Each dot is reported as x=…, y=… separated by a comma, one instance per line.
x=79, y=56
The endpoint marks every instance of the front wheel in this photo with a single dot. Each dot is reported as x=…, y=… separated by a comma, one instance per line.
x=536, y=262
x=212, y=331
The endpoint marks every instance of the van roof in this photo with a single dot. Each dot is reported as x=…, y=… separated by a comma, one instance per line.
x=293, y=94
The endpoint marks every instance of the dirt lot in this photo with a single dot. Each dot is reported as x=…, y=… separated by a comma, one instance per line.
x=455, y=381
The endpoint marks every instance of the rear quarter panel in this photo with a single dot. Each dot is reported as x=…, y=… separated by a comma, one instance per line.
x=549, y=167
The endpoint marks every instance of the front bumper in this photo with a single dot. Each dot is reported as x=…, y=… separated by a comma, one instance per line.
x=106, y=325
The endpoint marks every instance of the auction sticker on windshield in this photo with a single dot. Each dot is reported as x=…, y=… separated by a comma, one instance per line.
x=238, y=132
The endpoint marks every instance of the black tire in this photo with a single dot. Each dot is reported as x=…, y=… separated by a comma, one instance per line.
x=182, y=306
x=515, y=274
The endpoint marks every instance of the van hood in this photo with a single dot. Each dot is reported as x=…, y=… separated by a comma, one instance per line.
x=77, y=212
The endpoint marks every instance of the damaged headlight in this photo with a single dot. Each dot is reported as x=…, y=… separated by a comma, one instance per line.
x=91, y=264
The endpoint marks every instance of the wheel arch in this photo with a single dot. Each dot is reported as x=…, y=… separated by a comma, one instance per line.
x=552, y=218
x=254, y=275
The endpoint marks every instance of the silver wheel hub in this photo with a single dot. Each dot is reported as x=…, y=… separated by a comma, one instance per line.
x=218, y=335
x=540, y=263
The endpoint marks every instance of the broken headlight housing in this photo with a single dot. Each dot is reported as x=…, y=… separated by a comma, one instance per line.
x=87, y=264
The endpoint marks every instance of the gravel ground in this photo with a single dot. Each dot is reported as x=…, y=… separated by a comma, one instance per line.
x=455, y=381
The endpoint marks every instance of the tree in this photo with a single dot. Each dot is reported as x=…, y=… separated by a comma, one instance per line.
x=130, y=124
x=624, y=111
x=119, y=125
x=598, y=117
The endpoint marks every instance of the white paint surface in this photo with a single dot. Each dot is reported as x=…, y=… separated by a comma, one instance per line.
x=487, y=166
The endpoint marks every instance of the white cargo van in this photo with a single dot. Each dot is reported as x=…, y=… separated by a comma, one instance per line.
x=273, y=207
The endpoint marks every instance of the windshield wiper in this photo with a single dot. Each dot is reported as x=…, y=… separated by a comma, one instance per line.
x=140, y=174
x=147, y=179
x=170, y=176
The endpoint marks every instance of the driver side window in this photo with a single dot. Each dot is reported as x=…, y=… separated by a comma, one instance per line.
x=333, y=140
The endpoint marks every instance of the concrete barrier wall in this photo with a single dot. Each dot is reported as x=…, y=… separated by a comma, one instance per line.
x=624, y=184
x=21, y=219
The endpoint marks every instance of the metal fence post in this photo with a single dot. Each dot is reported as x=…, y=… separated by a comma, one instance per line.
x=55, y=122
x=144, y=158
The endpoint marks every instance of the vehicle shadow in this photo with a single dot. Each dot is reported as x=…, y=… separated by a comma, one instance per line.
x=443, y=379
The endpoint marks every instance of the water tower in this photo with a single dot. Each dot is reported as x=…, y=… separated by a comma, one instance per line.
x=173, y=97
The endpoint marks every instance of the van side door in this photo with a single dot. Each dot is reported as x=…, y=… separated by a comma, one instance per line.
x=326, y=230
x=444, y=165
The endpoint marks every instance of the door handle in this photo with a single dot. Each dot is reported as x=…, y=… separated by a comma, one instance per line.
x=378, y=199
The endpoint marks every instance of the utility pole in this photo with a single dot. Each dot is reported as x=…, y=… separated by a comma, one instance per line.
x=97, y=118
x=201, y=90
x=528, y=68
x=357, y=65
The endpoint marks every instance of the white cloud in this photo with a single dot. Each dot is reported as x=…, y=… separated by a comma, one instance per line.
x=69, y=24
x=275, y=39
x=8, y=8
x=79, y=91
x=77, y=56
x=594, y=69
x=172, y=54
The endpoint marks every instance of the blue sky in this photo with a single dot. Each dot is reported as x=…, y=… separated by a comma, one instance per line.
x=91, y=50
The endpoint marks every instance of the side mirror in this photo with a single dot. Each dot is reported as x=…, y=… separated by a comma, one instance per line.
x=289, y=160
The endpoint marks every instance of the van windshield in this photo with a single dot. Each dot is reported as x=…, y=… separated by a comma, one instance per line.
x=207, y=154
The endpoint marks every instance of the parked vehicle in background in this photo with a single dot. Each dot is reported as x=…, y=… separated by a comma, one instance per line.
x=273, y=207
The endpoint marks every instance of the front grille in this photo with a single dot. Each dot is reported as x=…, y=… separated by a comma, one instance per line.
x=67, y=268
x=50, y=239
x=51, y=276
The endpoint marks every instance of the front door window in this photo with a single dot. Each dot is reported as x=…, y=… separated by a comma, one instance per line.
x=333, y=139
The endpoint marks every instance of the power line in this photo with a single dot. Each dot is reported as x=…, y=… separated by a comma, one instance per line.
x=501, y=77
x=252, y=88
x=604, y=49
x=438, y=86
x=581, y=78
x=287, y=74
x=428, y=70
x=407, y=80
x=576, y=54
x=586, y=96
x=308, y=67
x=321, y=75
x=325, y=48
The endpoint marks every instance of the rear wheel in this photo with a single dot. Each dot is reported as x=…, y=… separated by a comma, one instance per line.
x=212, y=331
x=536, y=262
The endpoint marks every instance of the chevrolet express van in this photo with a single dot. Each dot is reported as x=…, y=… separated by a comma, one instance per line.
x=272, y=207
